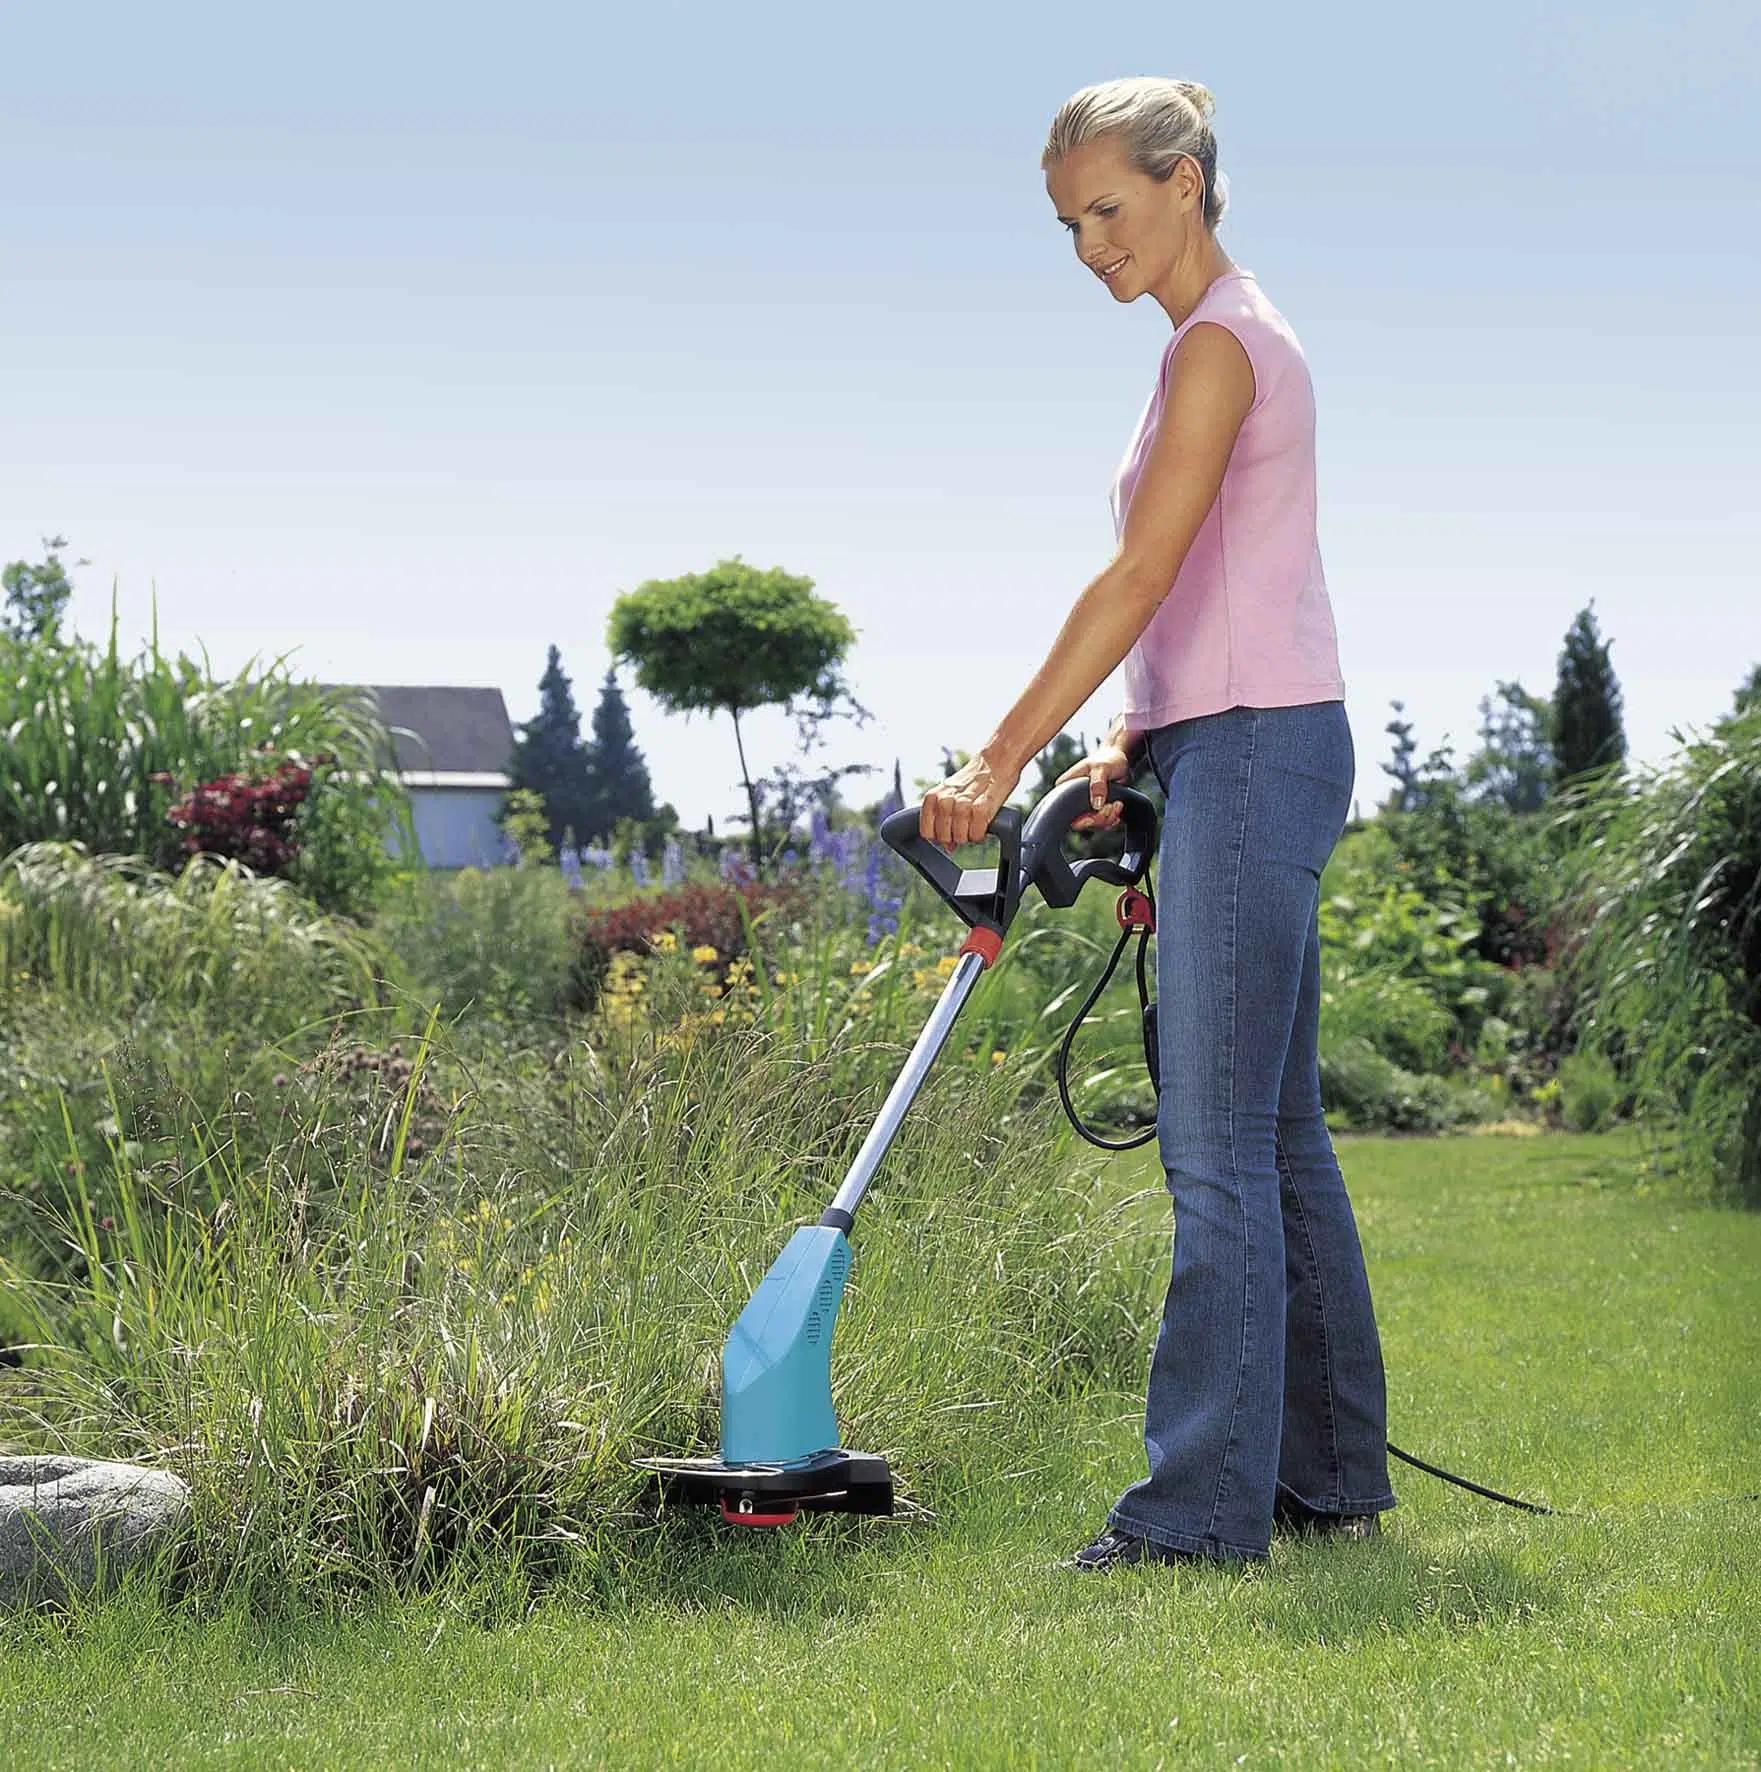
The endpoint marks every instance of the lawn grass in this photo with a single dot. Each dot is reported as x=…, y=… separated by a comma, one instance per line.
x=1552, y=1324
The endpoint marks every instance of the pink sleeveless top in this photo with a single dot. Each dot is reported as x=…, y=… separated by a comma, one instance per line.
x=1248, y=621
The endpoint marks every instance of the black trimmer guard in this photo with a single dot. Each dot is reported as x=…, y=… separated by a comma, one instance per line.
x=836, y=1482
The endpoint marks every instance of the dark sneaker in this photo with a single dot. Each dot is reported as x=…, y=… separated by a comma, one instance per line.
x=1113, y=1549
x=1349, y=1526
x=1313, y=1525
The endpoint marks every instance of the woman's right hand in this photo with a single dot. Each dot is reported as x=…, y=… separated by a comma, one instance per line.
x=1108, y=761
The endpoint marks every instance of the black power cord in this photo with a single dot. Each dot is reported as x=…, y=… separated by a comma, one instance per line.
x=1138, y=919
x=1418, y=1464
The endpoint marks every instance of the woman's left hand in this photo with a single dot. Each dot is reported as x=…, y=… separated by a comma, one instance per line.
x=960, y=810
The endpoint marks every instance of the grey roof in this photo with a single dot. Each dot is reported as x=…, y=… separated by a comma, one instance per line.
x=458, y=730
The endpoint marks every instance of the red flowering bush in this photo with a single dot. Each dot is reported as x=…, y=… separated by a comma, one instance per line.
x=703, y=915
x=247, y=818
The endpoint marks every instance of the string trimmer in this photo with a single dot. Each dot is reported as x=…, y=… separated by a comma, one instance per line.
x=779, y=1431
x=780, y=1455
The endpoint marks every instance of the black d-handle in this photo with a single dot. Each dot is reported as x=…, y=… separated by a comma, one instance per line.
x=985, y=897
x=1044, y=863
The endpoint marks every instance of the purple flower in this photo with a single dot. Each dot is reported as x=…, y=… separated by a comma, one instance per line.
x=569, y=860
x=596, y=857
x=672, y=864
x=882, y=892
x=848, y=853
x=638, y=867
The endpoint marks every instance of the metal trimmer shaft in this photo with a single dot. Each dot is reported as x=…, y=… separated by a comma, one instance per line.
x=842, y=1210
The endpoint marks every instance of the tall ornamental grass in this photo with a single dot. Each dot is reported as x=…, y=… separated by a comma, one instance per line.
x=1664, y=893
x=109, y=928
x=123, y=989
x=445, y=1362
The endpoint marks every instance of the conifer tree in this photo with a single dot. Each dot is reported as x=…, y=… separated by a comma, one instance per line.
x=618, y=776
x=1403, y=769
x=1587, y=732
x=550, y=759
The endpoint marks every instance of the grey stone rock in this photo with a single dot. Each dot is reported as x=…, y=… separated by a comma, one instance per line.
x=72, y=1525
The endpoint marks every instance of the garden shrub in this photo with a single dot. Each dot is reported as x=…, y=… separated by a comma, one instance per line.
x=701, y=914
x=1399, y=1017
x=1477, y=856
x=492, y=942
x=1400, y=969
x=304, y=821
x=246, y=818
x=1366, y=1091
x=1589, y=1092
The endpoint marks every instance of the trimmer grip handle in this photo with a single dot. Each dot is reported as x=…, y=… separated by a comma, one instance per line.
x=1042, y=842
x=985, y=897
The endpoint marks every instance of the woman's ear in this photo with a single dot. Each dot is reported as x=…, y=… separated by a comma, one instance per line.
x=1192, y=186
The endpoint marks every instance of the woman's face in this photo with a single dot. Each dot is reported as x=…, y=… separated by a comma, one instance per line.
x=1119, y=217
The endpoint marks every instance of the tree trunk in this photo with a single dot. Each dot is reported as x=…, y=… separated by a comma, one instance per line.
x=751, y=799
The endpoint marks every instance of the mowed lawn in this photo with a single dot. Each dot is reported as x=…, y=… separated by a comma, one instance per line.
x=1553, y=1325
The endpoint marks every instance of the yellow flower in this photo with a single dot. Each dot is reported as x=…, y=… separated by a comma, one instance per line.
x=947, y=963
x=705, y=955
x=666, y=942
x=860, y=968
x=998, y=1057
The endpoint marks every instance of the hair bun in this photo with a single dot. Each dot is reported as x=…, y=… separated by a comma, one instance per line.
x=1199, y=97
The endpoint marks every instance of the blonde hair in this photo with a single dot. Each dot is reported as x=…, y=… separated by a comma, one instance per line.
x=1160, y=122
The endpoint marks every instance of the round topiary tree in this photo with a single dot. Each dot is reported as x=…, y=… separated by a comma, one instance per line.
x=729, y=640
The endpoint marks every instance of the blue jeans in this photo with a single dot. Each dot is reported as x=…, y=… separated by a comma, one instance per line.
x=1266, y=1380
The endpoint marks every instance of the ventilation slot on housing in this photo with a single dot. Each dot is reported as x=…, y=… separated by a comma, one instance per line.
x=825, y=1305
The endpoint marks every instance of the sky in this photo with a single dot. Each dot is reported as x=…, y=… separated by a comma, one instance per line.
x=396, y=342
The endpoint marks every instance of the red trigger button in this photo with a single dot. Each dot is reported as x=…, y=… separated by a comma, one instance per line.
x=1134, y=911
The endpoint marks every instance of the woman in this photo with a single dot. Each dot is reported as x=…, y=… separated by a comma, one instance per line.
x=1266, y=1402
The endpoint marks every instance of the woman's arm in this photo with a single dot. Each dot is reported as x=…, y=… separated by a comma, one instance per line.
x=1211, y=389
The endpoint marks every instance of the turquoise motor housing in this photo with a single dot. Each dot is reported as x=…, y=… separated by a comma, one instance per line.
x=777, y=1363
